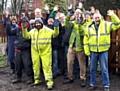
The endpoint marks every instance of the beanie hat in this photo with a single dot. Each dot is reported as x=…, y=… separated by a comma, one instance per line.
x=87, y=12
x=39, y=20
x=32, y=21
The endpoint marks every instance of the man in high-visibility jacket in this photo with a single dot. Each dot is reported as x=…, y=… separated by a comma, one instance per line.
x=41, y=49
x=97, y=44
x=76, y=48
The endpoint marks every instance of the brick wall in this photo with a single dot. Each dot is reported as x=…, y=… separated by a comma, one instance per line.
x=35, y=4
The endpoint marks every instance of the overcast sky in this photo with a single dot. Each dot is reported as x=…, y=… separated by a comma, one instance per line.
x=8, y=2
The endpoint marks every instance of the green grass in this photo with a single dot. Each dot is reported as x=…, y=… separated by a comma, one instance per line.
x=2, y=60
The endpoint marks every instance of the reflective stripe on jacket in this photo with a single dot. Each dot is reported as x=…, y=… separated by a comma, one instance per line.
x=99, y=40
x=41, y=40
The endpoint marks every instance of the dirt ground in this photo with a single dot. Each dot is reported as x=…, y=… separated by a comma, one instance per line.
x=6, y=85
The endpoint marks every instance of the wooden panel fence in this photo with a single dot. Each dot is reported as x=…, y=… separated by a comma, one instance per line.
x=3, y=38
x=114, y=51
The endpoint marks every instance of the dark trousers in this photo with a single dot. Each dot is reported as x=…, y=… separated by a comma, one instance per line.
x=23, y=60
x=55, y=61
x=61, y=60
x=12, y=65
x=86, y=59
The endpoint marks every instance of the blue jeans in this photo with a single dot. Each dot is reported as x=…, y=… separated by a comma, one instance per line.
x=102, y=57
x=55, y=61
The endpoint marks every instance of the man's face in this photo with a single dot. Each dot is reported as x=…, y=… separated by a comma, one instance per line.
x=50, y=21
x=87, y=16
x=33, y=25
x=38, y=25
x=77, y=15
x=62, y=18
x=97, y=18
x=38, y=14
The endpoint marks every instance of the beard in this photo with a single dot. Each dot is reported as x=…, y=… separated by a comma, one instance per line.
x=39, y=27
x=97, y=22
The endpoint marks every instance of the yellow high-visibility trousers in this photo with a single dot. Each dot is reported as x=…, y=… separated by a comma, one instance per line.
x=46, y=60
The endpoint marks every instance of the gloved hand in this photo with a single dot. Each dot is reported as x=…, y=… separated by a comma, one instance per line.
x=56, y=23
x=24, y=25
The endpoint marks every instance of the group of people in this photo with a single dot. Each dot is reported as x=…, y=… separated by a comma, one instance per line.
x=60, y=45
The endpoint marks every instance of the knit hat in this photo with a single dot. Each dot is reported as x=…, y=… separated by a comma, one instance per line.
x=39, y=19
x=32, y=21
x=50, y=17
x=87, y=12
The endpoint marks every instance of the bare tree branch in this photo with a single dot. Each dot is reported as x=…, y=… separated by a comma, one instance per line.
x=16, y=6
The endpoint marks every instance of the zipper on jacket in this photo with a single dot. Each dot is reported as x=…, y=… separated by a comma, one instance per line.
x=96, y=38
x=37, y=41
x=96, y=29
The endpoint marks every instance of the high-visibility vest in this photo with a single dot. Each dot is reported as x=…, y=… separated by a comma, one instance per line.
x=99, y=40
x=41, y=40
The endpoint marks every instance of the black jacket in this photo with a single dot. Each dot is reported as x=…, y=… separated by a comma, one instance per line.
x=55, y=41
x=20, y=42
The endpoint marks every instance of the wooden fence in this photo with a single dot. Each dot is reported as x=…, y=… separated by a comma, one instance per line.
x=3, y=37
x=114, y=51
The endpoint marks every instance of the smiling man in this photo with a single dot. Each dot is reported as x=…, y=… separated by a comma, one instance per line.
x=41, y=49
x=97, y=44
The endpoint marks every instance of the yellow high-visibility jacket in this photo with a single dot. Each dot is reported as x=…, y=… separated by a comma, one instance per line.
x=41, y=40
x=99, y=40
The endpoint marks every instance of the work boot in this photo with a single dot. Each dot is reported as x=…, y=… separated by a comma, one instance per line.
x=30, y=81
x=49, y=87
x=12, y=71
x=68, y=81
x=16, y=80
x=83, y=83
x=91, y=88
x=34, y=84
x=106, y=89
